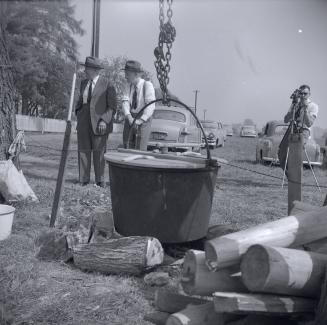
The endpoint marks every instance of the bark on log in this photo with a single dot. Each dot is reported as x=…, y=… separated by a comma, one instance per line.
x=283, y=271
x=197, y=279
x=126, y=255
x=226, y=302
x=290, y=231
x=7, y=94
x=197, y=314
x=171, y=302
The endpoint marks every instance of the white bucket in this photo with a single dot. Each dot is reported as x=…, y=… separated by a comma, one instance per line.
x=6, y=219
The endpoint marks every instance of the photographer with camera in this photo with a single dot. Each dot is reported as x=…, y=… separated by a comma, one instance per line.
x=302, y=111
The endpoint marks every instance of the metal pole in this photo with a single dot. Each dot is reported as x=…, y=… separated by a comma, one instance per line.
x=95, y=29
x=204, y=114
x=196, y=99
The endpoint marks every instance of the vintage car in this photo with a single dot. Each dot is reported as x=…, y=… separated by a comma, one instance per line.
x=270, y=138
x=175, y=128
x=229, y=130
x=248, y=131
x=215, y=133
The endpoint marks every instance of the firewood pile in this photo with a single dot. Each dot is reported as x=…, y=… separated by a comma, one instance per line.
x=272, y=273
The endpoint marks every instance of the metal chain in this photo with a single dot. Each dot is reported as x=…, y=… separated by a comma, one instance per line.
x=166, y=37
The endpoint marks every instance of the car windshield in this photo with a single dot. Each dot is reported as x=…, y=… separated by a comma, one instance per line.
x=280, y=129
x=161, y=114
x=208, y=125
x=248, y=128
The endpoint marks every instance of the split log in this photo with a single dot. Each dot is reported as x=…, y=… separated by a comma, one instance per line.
x=301, y=207
x=197, y=279
x=283, y=271
x=158, y=317
x=290, y=231
x=128, y=255
x=172, y=302
x=197, y=314
x=226, y=302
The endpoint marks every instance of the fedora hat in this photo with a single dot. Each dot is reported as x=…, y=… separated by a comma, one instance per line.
x=132, y=65
x=92, y=62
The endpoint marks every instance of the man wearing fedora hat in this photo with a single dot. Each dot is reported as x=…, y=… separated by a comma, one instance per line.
x=95, y=109
x=138, y=92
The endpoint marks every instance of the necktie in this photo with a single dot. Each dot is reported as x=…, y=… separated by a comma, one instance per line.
x=89, y=94
x=134, y=99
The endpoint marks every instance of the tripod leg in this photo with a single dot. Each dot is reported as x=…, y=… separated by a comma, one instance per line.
x=313, y=173
x=286, y=161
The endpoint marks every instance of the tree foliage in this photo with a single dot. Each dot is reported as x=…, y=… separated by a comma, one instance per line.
x=43, y=51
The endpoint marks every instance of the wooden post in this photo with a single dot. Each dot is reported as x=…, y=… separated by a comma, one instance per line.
x=64, y=156
x=197, y=279
x=292, y=231
x=96, y=29
x=295, y=169
x=283, y=271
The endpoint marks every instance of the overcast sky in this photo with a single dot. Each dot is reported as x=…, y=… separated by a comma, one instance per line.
x=245, y=56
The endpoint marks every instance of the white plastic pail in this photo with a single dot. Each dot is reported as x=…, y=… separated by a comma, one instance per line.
x=6, y=219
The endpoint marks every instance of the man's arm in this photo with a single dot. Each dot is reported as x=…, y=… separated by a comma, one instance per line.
x=111, y=104
x=310, y=114
x=149, y=97
x=79, y=103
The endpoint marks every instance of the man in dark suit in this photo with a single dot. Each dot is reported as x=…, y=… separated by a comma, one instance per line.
x=95, y=110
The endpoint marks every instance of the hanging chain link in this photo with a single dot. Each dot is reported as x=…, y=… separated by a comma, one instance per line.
x=166, y=37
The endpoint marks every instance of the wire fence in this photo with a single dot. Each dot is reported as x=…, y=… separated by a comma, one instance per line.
x=36, y=144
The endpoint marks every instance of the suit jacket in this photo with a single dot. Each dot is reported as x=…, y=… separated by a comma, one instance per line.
x=103, y=104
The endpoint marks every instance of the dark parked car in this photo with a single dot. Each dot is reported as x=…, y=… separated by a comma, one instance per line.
x=270, y=138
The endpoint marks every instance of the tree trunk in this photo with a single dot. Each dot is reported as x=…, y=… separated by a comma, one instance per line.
x=283, y=271
x=126, y=255
x=197, y=279
x=292, y=231
x=7, y=98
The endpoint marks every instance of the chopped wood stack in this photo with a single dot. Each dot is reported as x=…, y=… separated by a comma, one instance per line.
x=268, y=274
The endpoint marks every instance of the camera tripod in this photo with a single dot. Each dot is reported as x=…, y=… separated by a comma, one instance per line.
x=292, y=127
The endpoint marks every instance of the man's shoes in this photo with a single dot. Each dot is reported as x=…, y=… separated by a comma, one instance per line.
x=100, y=184
x=85, y=183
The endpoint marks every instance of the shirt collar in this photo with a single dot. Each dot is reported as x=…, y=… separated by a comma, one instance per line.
x=94, y=81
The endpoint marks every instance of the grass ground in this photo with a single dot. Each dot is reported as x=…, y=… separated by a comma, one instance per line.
x=37, y=292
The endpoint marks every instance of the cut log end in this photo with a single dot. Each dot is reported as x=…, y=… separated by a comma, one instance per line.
x=255, y=268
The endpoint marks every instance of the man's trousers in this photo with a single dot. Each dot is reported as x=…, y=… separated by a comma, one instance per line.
x=139, y=136
x=88, y=144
